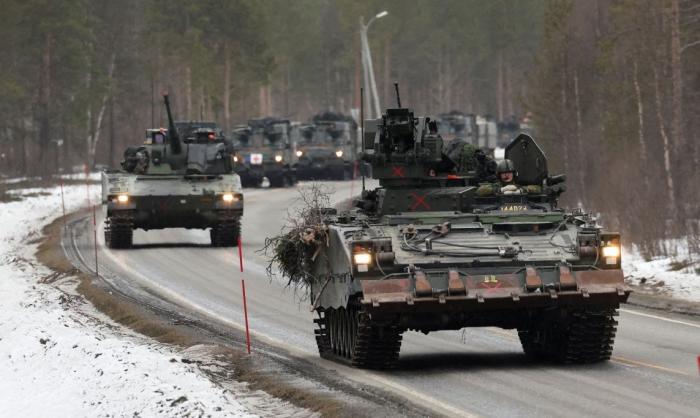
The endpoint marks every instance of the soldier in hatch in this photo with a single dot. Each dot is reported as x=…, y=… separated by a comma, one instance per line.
x=506, y=173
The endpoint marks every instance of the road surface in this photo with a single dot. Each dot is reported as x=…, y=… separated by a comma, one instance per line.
x=478, y=372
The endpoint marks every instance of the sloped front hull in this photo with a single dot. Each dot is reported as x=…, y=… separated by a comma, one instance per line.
x=432, y=303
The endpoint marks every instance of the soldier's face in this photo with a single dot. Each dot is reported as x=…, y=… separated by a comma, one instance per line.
x=506, y=177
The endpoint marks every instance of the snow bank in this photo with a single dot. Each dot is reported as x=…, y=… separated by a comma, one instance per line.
x=59, y=357
x=677, y=275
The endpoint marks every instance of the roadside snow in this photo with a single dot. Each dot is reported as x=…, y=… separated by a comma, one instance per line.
x=61, y=358
x=677, y=275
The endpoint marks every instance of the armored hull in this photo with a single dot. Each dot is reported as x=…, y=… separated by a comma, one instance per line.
x=264, y=151
x=327, y=148
x=322, y=163
x=429, y=252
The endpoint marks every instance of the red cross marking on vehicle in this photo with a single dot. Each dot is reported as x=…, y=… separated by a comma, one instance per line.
x=419, y=201
x=398, y=171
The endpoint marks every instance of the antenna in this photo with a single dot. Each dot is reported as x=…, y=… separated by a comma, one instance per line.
x=398, y=96
x=362, y=131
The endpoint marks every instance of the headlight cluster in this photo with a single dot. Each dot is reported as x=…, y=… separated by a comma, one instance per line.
x=123, y=198
x=362, y=258
x=235, y=158
x=339, y=153
x=300, y=153
x=610, y=249
x=229, y=197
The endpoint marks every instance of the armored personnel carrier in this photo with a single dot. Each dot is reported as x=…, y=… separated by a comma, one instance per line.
x=176, y=179
x=264, y=153
x=327, y=148
x=426, y=252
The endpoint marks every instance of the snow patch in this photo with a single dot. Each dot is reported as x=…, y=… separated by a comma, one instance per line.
x=60, y=357
x=677, y=275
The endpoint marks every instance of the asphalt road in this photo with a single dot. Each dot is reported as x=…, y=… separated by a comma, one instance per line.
x=478, y=371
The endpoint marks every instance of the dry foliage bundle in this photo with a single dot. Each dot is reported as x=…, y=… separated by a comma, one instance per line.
x=298, y=245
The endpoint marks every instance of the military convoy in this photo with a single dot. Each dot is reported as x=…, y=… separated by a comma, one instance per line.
x=264, y=153
x=425, y=252
x=327, y=148
x=181, y=177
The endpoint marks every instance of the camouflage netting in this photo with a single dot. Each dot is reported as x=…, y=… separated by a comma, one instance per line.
x=296, y=248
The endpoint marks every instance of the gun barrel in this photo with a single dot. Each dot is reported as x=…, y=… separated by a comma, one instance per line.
x=173, y=135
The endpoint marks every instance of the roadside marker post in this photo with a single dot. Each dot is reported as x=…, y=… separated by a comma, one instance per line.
x=699, y=365
x=245, y=303
x=94, y=233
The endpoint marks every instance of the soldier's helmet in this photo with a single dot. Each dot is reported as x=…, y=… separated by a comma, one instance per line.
x=505, y=166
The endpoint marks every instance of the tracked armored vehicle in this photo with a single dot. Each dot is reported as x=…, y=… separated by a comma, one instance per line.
x=327, y=148
x=264, y=153
x=426, y=252
x=178, y=178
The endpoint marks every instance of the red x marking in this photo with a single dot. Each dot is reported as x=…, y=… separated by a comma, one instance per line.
x=419, y=201
x=398, y=171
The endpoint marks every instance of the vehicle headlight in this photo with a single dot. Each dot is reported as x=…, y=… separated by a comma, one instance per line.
x=235, y=158
x=123, y=198
x=228, y=197
x=611, y=251
x=278, y=158
x=339, y=153
x=611, y=254
x=300, y=153
x=362, y=258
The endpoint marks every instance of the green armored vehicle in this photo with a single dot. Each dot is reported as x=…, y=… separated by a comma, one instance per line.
x=179, y=178
x=264, y=153
x=435, y=249
x=327, y=148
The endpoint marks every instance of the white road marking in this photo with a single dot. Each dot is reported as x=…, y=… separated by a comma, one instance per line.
x=660, y=318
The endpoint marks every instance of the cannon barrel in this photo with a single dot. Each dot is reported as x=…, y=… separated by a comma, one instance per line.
x=173, y=134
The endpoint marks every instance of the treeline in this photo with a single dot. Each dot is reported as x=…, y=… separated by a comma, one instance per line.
x=613, y=85
x=80, y=79
x=616, y=98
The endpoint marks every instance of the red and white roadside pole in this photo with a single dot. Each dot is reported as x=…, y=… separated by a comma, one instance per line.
x=245, y=302
x=94, y=236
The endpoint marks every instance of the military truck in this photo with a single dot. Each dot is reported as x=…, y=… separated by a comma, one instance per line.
x=327, y=148
x=425, y=252
x=511, y=127
x=457, y=125
x=175, y=179
x=264, y=153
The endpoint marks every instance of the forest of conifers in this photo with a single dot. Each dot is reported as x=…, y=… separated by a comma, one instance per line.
x=613, y=86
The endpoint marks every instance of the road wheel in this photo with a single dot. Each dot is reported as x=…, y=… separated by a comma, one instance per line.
x=118, y=235
x=583, y=336
x=349, y=336
x=225, y=234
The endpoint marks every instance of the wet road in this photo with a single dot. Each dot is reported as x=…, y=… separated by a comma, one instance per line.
x=482, y=371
